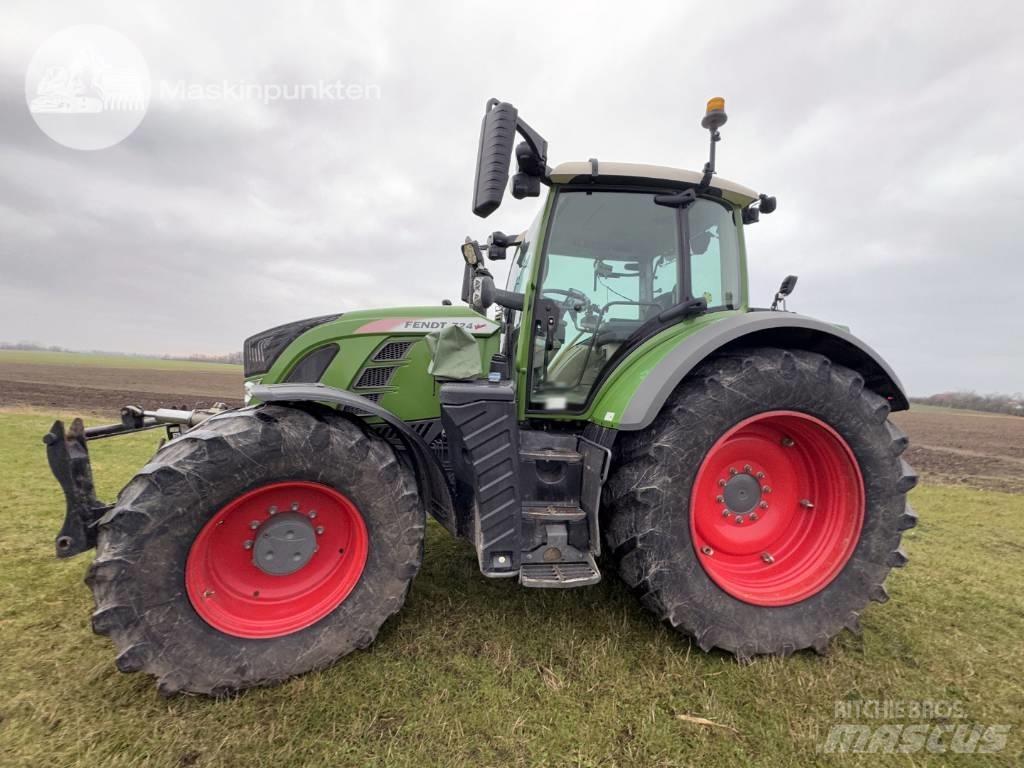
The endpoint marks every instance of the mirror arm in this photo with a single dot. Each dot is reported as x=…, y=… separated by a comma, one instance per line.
x=484, y=294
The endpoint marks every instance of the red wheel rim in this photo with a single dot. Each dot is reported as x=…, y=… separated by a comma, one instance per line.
x=777, y=508
x=232, y=594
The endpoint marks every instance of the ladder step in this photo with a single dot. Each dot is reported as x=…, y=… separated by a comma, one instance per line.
x=553, y=513
x=560, y=575
x=552, y=454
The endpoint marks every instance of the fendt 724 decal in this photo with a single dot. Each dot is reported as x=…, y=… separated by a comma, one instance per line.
x=477, y=326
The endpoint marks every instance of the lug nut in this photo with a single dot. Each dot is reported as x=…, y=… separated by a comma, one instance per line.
x=254, y=525
x=759, y=475
x=726, y=512
x=312, y=514
x=767, y=558
x=806, y=504
x=319, y=530
x=247, y=544
x=766, y=489
x=787, y=442
x=763, y=504
x=295, y=506
x=208, y=593
x=739, y=519
x=272, y=510
x=747, y=468
x=721, y=483
x=733, y=471
x=707, y=550
x=720, y=499
x=753, y=516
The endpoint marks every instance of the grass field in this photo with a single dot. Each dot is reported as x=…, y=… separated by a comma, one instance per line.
x=96, y=360
x=482, y=673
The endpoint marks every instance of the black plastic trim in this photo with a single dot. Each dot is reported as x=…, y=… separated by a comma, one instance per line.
x=311, y=367
x=257, y=360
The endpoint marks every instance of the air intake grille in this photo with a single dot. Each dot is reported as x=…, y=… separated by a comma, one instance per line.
x=393, y=350
x=374, y=377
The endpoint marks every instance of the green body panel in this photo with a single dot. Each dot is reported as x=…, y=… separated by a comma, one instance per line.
x=614, y=395
x=411, y=393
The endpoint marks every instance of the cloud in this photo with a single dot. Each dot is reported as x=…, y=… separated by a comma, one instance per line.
x=890, y=134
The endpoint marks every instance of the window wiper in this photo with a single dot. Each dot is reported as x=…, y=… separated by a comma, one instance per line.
x=684, y=309
x=680, y=311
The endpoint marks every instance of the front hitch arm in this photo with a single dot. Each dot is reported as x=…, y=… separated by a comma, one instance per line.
x=68, y=455
x=69, y=461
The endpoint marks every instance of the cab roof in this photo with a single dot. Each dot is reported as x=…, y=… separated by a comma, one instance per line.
x=582, y=171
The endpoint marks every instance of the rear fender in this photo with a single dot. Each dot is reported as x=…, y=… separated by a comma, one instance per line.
x=758, y=329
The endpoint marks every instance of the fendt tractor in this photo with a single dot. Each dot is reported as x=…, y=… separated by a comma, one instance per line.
x=623, y=407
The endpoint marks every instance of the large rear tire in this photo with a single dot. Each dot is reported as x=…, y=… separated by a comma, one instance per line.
x=185, y=578
x=763, y=508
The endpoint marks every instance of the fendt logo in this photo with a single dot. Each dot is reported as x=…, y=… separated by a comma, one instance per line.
x=478, y=327
x=87, y=87
x=434, y=325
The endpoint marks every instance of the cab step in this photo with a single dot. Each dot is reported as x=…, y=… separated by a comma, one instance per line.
x=553, y=513
x=560, y=575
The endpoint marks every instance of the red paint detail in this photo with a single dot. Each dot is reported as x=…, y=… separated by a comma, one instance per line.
x=809, y=546
x=383, y=325
x=234, y=596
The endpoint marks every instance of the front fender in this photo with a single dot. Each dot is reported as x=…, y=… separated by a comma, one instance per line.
x=430, y=476
x=755, y=329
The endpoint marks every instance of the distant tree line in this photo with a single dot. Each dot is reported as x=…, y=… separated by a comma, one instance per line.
x=1011, y=404
x=233, y=358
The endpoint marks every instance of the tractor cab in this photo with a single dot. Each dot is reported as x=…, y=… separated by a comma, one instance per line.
x=612, y=262
x=618, y=253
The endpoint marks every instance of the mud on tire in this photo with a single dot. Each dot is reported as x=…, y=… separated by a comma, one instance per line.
x=647, y=522
x=138, y=576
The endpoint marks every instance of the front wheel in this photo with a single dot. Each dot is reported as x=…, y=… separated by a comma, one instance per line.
x=763, y=509
x=265, y=543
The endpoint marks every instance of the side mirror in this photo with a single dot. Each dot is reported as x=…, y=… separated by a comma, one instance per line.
x=768, y=206
x=497, y=135
x=788, y=284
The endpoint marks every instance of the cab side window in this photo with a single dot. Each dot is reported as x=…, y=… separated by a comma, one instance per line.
x=714, y=254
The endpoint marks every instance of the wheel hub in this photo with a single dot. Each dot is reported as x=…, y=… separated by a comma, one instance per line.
x=276, y=559
x=742, y=493
x=777, y=508
x=284, y=544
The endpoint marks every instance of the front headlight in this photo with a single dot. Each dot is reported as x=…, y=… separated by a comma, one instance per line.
x=260, y=351
x=248, y=389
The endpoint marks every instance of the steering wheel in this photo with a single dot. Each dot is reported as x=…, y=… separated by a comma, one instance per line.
x=575, y=301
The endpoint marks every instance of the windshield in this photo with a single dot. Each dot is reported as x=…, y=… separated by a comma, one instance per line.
x=613, y=261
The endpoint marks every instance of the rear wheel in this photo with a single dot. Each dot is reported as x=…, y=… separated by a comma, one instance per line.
x=763, y=509
x=265, y=543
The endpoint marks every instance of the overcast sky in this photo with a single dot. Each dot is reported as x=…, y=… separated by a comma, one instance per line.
x=890, y=132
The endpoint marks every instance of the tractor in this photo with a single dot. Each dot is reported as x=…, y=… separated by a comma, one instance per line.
x=618, y=406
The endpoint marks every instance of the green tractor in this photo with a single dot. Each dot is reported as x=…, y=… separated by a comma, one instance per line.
x=623, y=408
